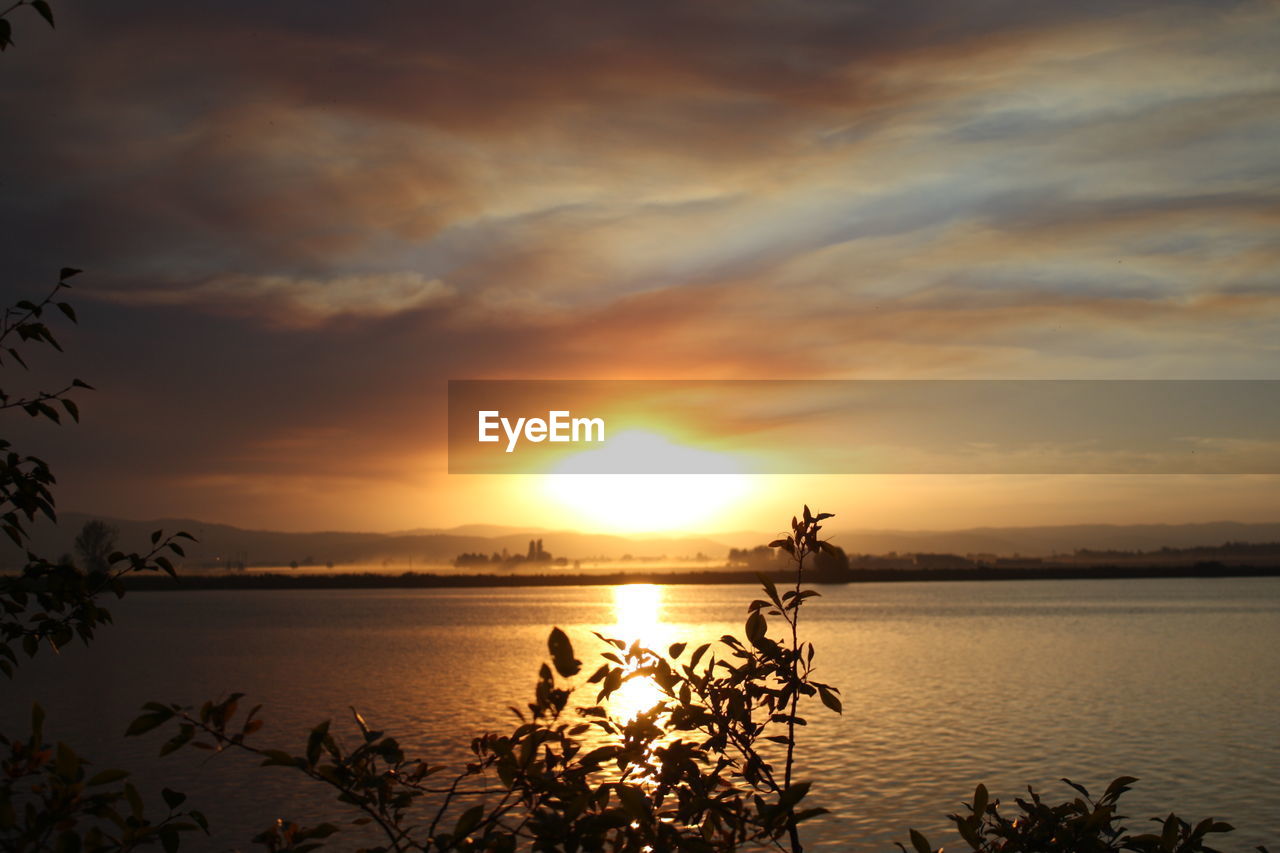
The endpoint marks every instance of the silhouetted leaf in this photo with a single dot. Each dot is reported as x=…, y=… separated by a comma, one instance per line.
x=106, y=777
x=562, y=654
x=829, y=698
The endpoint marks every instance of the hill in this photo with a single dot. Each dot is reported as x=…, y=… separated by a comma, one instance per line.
x=220, y=544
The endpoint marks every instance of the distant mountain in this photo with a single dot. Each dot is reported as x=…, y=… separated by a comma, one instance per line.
x=1047, y=540
x=221, y=543
x=486, y=530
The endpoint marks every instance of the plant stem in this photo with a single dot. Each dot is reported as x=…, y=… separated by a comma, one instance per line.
x=792, y=830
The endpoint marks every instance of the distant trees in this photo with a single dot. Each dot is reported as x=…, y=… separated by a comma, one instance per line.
x=535, y=554
x=94, y=544
x=760, y=557
x=830, y=561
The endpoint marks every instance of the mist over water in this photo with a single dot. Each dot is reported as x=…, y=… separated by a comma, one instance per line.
x=945, y=685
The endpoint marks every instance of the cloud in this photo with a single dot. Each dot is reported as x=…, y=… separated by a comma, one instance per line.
x=335, y=203
x=285, y=300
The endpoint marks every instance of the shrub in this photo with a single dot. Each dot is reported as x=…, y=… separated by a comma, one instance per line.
x=709, y=767
x=48, y=797
x=1079, y=825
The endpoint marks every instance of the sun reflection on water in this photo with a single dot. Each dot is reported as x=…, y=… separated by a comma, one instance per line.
x=638, y=613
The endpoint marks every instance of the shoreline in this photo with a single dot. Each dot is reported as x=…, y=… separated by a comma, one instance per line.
x=427, y=580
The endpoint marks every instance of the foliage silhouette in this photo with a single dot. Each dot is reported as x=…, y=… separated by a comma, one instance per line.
x=41, y=8
x=697, y=771
x=48, y=797
x=1079, y=825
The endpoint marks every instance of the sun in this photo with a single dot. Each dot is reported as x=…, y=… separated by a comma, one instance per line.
x=638, y=608
x=647, y=503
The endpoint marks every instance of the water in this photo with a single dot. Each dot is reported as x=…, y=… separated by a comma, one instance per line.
x=945, y=685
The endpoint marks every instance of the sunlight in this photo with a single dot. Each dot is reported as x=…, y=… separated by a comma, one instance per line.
x=638, y=611
x=648, y=502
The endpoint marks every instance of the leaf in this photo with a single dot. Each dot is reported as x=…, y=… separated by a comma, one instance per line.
x=919, y=842
x=1118, y=787
x=277, y=758
x=315, y=741
x=147, y=722
x=562, y=654
x=42, y=6
x=135, y=800
x=1081, y=788
x=756, y=627
x=829, y=698
x=467, y=822
x=163, y=563
x=980, y=798
x=793, y=795
x=360, y=721
x=633, y=801
x=185, y=733
x=770, y=589
x=68, y=272
x=172, y=798
x=106, y=777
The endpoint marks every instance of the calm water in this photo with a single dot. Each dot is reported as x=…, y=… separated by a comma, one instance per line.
x=1176, y=682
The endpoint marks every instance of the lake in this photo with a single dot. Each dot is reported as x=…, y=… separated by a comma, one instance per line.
x=945, y=685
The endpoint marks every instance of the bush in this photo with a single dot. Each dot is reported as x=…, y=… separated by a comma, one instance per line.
x=1080, y=825
x=48, y=797
x=709, y=767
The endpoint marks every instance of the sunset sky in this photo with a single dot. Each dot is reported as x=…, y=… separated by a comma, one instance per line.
x=298, y=221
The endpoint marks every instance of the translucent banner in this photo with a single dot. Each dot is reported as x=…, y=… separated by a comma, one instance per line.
x=864, y=427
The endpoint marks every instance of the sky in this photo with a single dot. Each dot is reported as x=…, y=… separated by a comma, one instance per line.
x=298, y=221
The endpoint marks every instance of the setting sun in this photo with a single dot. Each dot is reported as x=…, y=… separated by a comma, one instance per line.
x=638, y=608
x=649, y=502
